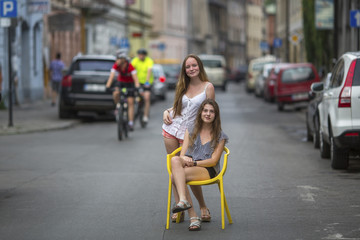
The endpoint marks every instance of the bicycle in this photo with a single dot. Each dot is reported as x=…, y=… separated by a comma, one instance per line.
x=140, y=103
x=121, y=114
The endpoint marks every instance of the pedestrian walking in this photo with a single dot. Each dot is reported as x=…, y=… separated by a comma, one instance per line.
x=56, y=68
x=199, y=157
x=143, y=65
x=192, y=89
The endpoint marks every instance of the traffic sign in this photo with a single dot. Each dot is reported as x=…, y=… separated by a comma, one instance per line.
x=277, y=42
x=355, y=18
x=264, y=46
x=8, y=8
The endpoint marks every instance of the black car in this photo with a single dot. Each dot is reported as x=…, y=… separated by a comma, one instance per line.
x=312, y=115
x=83, y=88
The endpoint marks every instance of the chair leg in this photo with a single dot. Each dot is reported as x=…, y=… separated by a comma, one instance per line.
x=227, y=210
x=224, y=204
x=221, y=188
x=168, y=204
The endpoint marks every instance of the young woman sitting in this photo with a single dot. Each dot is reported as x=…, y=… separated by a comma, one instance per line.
x=199, y=158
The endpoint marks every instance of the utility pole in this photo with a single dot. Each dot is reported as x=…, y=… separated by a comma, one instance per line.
x=287, y=35
x=10, y=77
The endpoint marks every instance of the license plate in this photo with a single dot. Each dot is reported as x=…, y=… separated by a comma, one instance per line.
x=300, y=96
x=94, y=88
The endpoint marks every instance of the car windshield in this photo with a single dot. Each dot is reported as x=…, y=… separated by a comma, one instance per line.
x=297, y=74
x=259, y=66
x=211, y=63
x=93, y=65
x=157, y=71
x=171, y=70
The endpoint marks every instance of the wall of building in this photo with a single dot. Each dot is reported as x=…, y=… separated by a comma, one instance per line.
x=254, y=32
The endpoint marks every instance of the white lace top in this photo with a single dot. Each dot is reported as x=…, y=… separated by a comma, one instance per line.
x=189, y=109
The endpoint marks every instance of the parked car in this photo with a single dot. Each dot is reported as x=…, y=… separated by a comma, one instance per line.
x=339, y=111
x=255, y=67
x=172, y=72
x=160, y=87
x=312, y=114
x=270, y=82
x=238, y=74
x=215, y=68
x=293, y=83
x=260, y=79
x=83, y=87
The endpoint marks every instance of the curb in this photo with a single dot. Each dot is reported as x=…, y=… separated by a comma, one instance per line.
x=24, y=129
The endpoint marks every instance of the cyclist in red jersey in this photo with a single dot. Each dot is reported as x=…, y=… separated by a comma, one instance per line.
x=127, y=78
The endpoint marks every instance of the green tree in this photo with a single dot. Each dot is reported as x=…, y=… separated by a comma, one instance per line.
x=318, y=43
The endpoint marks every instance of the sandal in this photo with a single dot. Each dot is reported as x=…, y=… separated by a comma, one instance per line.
x=175, y=215
x=206, y=217
x=182, y=205
x=196, y=225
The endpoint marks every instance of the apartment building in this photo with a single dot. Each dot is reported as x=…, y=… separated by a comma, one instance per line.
x=254, y=28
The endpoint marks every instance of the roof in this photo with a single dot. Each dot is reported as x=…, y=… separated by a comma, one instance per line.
x=94, y=56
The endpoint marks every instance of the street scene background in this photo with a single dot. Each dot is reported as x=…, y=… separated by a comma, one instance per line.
x=81, y=183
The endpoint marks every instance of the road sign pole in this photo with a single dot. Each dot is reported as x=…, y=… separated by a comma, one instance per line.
x=10, y=78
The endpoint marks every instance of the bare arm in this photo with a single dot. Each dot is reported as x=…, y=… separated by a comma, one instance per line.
x=110, y=79
x=136, y=80
x=215, y=157
x=210, y=91
x=149, y=72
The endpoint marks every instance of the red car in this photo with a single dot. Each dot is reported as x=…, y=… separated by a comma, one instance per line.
x=270, y=82
x=293, y=83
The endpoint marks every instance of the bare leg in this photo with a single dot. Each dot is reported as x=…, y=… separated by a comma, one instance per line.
x=170, y=145
x=131, y=108
x=147, y=95
x=116, y=96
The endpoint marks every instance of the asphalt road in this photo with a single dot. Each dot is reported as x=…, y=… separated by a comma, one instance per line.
x=81, y=183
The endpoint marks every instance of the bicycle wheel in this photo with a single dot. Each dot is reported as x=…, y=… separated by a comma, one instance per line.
x=141, y=114
x=125, y=121
x=120, y=124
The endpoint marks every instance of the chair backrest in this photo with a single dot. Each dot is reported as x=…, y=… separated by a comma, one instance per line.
x=176, y=151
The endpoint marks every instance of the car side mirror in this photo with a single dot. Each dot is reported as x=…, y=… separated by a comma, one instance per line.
x=317, y=87
x=312, y=95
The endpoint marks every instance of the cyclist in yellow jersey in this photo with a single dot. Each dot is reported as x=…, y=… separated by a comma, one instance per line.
x=143, y=65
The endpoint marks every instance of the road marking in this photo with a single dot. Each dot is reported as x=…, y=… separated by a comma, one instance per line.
x=306, y=193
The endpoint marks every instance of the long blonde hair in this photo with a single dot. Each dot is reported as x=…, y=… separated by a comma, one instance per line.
x=184, y=81
x=216, y=124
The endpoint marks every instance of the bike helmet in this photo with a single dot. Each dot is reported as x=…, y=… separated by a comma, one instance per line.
x=142, y=51
x=121, y=55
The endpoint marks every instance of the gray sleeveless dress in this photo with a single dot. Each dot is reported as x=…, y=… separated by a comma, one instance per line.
x=201, y=151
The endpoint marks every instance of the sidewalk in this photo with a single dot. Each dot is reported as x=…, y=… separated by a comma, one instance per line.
x=33, y=117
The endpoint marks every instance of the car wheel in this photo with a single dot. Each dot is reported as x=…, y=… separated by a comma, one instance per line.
x=309, y=136
x=280, y=107
x=339, y=157
x=64, y=114
x=316, y=135
x=224, y=87
x=324, y=147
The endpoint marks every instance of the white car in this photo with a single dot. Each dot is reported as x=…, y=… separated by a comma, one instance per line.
x=260, y=79
x=339, y=111
x=215, y=68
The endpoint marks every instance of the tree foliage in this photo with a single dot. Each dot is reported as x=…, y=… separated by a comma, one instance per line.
x=318, y=43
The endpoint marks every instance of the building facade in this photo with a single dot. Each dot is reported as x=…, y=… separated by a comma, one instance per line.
x=254, y=28
x=26, y=52
x=169, y=32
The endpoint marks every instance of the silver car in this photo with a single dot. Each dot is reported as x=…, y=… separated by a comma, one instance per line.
x=160, y=86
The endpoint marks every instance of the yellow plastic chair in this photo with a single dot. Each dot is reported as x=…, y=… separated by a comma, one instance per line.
x=218, y=179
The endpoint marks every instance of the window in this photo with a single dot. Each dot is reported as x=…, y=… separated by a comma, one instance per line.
x=93, y=65
x=338, y=74
x=297, y=74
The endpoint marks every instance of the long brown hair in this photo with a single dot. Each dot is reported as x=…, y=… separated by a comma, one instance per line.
x=184, y=81
x=216, y=124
